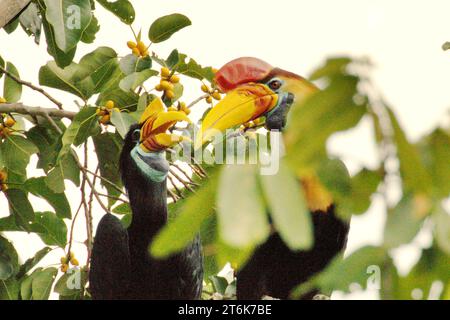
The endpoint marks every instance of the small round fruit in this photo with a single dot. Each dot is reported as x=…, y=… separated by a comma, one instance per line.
x=63, y=260
x=145, y=53
x=141, y=46
x=74, y=262
x=174, y=79
x=166, y=85
x=116, y=110
x=172, y=108
x=131, y=44
x=258, y=121
x=216, y=95
x=64, y=268
x=2, y=100
x=71, y=255
x=110, y=104
x=186, y=110
x=205, y=88
x=158, y=87
x=165, y=72
x=209, y=100
x=136, y=52
x=170, y=94
x=214, y=70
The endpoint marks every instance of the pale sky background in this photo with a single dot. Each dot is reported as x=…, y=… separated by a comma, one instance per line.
x=402, y=38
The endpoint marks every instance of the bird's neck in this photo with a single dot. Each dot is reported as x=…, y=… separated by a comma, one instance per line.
x=148, y=199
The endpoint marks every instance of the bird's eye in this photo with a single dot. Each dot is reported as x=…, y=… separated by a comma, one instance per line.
x=275, y=84
x=136, y=135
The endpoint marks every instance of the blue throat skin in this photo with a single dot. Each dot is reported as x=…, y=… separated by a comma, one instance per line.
x=138, y=155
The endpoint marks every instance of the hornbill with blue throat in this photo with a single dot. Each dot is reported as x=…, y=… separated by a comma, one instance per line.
x=256, y=89
x=121, y=266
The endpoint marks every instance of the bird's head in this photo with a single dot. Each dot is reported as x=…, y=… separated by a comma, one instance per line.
x=150, y=138
x=253, y=89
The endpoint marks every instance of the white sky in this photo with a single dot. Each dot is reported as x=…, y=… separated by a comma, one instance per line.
x=403, y=39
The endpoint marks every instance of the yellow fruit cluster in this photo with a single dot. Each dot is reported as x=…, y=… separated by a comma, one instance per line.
x=181, y=107
x=105, y=112
x=3, y=179
x=252, y=124
x=139, y=49
x=212, y=94
x=65, y=260
x=6, y=124
x=168, y=80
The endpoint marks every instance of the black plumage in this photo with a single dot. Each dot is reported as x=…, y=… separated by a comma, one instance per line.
x=274, y=270
x=137, y=275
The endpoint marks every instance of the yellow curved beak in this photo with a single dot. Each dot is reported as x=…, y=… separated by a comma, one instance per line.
x=243, y=104
x=155, y=122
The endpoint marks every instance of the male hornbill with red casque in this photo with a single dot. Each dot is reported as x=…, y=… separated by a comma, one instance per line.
x=121, y=266
x=255, y=89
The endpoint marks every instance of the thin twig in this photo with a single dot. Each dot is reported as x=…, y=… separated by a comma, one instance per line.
x=89, y=226
x=193, y=103
x=180, y=194
x=32, y=86
x=184, y=173
x=71, y=229
x=113, y=198
x=107, y=181
x=172, y=195
x=185, y=183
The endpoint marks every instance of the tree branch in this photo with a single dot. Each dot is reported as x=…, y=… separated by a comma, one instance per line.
x=36, y=111
x=9, y=9
x=32, y=86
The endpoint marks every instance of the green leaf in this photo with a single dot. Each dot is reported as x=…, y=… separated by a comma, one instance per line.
x=31, y=22
x=71, y=284
x=122, y=121
x=15, y=153
x=193, y=69
x=415, y=177
x=446, y=46
x=435, y=152
x=220, y=284
x=9, y=289
x=32, y=262
x=2, y=64
x=313, y=121
x=242, y=218
x=66, y=168
x=83, y=125
x=183, y=229
x=405, y=220
x=123, y=9
x=130, y=64
x=9, y=261
x=12, y=91
x=163, y=28
x=363, y=185
x=91, y=31
x=332, y=67
x=108, y=147
x=126, y=220
x=42, y=283
x=92, y=75
x=69, y=19
x=26, y=291
x=441, y=220
x=356, y=268
x=39, y=188
x=122, y=209
x=335, y=177
x=62, y=59
x=289, y=211
x=48, y=140
x=134, y=80
x=20, y=207
x=51, y=229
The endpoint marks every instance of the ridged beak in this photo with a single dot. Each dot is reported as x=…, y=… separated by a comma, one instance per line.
x=155, y=122
x=243, y=104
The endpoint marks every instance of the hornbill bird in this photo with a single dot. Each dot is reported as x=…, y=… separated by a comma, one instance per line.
x=121, y=266
x=255, y=89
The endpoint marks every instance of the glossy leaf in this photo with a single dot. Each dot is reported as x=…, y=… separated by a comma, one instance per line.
x=20, y=207
x=51, y=229
x=12, y=91
x=123, y=9
x=9, y=289
x=31, y=21
x=134, y=80
x=58, y=201
x=163, y=28
x=42, y=283
x=122, y=121
x=288, y=208
x=15, y=153
x=32, y=262
x=9, y=261
x=242, y=218
x=69, y=19
x=65, y=169
x=122, y=209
